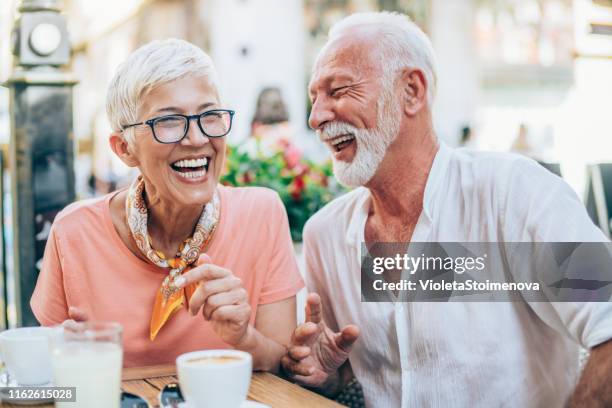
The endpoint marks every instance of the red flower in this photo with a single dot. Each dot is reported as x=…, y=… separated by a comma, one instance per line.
x=297, y=187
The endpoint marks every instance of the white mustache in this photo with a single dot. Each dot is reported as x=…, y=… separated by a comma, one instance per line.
x=335, y=129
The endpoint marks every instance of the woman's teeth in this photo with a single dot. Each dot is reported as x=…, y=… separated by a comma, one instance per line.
x=192, y=168
x=194, y=174
x=192, y=163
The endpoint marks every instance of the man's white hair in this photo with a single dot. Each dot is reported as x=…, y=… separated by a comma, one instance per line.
x=401, y=44
x=151, y=65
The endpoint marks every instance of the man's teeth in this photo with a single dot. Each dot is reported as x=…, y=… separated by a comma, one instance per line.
x=341, y=139
x=192, y=163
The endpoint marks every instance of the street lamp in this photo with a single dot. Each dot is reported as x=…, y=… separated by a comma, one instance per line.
x=41, y=146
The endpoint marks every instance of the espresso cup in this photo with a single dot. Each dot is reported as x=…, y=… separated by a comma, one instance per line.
x=215, y=378
x=27, y=355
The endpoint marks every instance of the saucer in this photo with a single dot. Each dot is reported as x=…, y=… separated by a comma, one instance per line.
x=245, y=404
x=7, y=383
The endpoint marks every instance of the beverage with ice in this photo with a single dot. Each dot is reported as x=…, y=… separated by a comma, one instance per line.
x=89, y=358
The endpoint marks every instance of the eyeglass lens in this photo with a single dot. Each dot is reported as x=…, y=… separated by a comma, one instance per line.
x=170, y=129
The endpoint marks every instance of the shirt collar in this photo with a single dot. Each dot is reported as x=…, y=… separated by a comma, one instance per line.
x=354, y=232
x=435, y=178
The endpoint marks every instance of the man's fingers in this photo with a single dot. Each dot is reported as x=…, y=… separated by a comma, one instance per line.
x=294, y=368
x=313, y=308
x=77, y=314
x=298, y=353
x=201, y=273
x=347, y=337
x=305, y=334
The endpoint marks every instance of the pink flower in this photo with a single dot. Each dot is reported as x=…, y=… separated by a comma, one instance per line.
x=293, y=155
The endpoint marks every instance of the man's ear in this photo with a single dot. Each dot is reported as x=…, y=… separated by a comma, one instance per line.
x=122, y=149
x=414, y=90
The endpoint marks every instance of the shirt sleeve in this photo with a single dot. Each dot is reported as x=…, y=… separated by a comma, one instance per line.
x=541, y=207
x=316, y=275
x=283, y=278
x=48, y=301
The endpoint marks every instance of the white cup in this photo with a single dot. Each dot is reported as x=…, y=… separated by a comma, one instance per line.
x=215, y=378
x=27, y=355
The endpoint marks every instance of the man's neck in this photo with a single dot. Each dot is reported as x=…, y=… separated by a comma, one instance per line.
x=399, y=186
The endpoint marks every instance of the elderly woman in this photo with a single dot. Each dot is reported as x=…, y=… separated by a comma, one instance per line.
x=180, y=261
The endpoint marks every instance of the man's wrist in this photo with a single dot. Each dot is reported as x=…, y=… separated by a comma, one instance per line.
x=332, y=386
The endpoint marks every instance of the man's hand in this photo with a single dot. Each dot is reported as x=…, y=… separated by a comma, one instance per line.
x=316, y=352
x=594, y=388
x=222, y=299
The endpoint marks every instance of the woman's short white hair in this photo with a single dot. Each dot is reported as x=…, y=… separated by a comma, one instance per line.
x=151, y=65
x=402, y=44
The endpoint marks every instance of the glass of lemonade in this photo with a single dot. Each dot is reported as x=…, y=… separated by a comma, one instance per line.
x=88, y=356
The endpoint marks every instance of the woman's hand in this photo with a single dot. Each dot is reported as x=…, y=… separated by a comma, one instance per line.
x=76, y=316
x=221, y=298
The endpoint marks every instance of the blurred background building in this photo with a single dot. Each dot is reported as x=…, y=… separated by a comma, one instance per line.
x=539, y=68
x=531, y=76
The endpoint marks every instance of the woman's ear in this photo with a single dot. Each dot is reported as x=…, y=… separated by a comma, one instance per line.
x=122, y=148
x=414, y=91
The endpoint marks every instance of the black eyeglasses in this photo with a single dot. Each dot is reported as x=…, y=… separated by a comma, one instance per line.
x=173, y=128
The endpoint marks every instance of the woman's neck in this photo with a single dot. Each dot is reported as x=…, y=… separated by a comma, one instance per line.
x=169, y=224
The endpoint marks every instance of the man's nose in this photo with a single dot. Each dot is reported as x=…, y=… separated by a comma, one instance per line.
x=320, y=114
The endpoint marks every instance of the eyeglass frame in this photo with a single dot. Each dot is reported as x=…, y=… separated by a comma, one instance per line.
x=189, y=118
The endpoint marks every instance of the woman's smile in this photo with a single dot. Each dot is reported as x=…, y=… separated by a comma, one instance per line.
x=192, y=169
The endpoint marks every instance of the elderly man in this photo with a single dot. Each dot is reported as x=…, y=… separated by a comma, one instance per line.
x=372, y=90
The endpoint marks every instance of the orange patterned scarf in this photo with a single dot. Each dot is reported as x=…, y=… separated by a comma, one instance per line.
x=169, y=298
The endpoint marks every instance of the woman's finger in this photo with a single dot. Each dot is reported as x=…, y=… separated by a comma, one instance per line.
x=233, y=313
x=77, y=314
x=232, y=297
x=209, y=288
x=201, y=273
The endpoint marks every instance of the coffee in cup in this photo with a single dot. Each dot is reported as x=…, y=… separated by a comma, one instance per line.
x=215, y=378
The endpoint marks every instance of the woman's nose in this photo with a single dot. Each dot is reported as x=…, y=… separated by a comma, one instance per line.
x=194, y=136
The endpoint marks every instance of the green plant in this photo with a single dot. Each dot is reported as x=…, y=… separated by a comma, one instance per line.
x=303, y=185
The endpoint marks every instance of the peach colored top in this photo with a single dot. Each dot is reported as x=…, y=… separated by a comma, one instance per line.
x=87, y=265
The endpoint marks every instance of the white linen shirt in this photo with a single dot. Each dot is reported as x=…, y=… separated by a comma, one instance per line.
x=461, y=354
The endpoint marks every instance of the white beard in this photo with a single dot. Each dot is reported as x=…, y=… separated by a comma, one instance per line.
x=372, y=144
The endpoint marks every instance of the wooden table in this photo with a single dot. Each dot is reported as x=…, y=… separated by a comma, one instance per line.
x=265, y=388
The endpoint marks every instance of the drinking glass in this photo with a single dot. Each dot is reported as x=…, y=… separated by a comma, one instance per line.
x=88, y=356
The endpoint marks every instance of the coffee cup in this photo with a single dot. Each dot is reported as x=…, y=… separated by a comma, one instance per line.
x=215, y=378
x=27, y=355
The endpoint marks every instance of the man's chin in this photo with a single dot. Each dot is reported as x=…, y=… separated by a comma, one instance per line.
x=351, y=175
